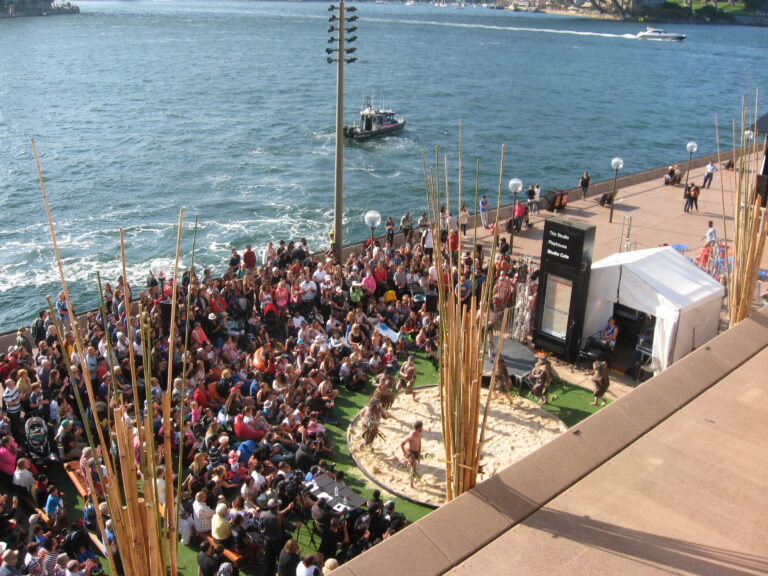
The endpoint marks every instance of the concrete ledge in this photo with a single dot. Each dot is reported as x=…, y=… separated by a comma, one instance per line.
x=535, y=480
x=416, y=554
x=464, y=527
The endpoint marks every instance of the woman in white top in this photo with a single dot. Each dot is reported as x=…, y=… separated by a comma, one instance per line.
x=23, y=477
x=463, y=218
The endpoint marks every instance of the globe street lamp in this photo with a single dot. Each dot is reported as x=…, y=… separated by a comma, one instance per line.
x=616, y=164
x=515, y=185
x=372, y=219
x=691, y=147
x=160, y=268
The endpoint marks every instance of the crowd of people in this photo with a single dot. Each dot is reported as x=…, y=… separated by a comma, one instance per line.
x=273, y=340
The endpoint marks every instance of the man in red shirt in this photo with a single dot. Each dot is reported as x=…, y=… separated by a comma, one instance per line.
x=381, y=274
x=249, y=258
x=519, y=214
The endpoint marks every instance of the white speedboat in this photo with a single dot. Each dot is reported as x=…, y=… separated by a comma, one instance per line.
x=661, y=35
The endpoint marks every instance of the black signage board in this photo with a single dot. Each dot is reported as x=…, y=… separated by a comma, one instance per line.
x=565, y=244
x=566, y=259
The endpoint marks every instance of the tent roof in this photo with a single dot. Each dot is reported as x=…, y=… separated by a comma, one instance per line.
x=668, y=272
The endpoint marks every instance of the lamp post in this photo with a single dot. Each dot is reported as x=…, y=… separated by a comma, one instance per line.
x=616, y=164
x=159, y=268
x=339, y=25
x=372, y=219
x=691, y=147
x=515, y=185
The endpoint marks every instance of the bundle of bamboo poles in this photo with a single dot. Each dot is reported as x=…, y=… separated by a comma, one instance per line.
x=145, y=534
x=750, y=224
x=463, y=338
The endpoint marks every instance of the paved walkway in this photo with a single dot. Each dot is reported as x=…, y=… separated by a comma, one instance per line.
x=646, y=215
x=656, y=213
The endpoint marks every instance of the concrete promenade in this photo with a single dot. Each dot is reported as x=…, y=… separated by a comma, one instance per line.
x=656, y=213
x=657, y=217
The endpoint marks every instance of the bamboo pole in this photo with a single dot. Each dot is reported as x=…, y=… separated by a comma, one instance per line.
x=184, y=371
x=73, y=321
x=130, y=521
x=100, y=523
x=157, y=561
x=135, y=535
x=749, y=224
x=463, y=340
x=78, y=347
x=170, y=504
x=491, y=390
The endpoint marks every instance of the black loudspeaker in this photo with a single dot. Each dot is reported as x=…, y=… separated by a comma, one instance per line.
x=165, y=314
x=761, y=189
x=431, y=301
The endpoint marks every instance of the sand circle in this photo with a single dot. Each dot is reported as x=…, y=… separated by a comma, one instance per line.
x=516, y=427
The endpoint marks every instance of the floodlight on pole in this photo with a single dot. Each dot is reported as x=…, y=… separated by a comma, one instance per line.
x=338, y=23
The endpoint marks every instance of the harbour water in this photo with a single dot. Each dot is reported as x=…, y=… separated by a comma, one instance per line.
x=226, y=108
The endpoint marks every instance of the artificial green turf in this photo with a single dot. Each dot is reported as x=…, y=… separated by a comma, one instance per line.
x=567, y=401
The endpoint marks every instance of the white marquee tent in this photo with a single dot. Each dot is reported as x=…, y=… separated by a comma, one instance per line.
x=660, y=281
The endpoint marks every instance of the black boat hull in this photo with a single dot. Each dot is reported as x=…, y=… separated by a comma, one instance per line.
x=356, y=134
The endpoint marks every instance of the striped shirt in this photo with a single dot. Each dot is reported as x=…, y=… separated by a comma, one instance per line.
x=11, y=400
x=48, y=560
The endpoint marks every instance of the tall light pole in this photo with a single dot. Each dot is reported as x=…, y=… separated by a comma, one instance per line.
x=616, y=164
x=691, y=147
x=515, y=185
x=339, y=25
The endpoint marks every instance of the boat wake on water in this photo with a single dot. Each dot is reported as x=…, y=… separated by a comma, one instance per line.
x=512, y=28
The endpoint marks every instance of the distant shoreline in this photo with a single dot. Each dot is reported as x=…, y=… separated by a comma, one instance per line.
x=757, y=21
x=593, y=15
x=63, y=10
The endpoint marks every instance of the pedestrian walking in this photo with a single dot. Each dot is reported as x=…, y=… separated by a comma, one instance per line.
x=533, y=204
x=584, y=184
x=463, y=219
x=694, y=198
x=484, y=207
x=687, y=199
x=711, y=236
x=709, y=174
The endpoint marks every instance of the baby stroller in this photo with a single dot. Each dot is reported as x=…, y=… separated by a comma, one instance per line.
x=38, y=446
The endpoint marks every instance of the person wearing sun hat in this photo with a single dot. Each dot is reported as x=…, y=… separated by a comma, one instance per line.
x=67, y=437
